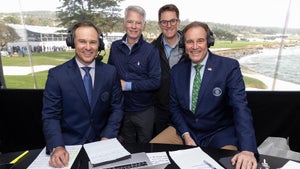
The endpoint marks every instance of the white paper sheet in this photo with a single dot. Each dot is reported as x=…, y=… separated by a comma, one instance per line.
x=105, y=151
x=42, y=160
x=193, y=158
x=291, y=165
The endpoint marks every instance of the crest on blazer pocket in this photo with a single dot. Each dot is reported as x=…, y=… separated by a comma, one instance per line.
x=104, y=96
x=217, y=91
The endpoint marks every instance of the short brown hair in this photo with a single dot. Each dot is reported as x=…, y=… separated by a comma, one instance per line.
x=168, y=7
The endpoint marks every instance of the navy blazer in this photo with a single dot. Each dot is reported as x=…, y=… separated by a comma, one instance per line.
x=68, y=119
x=222, y=115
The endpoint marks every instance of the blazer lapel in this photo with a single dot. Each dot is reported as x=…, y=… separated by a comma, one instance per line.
x=208, y=75
x=98, y=83
x=186, y=81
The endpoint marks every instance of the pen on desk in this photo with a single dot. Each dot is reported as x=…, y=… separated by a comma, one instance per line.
x=14, y=161
x=210, y=165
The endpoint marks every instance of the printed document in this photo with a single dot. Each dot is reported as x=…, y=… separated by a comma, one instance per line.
x=194, y=158
x=291, y=165
x=105, y=151
x=42, y=160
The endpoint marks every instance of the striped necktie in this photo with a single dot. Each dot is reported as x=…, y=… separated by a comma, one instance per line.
x=196, y=87
x=87, y=80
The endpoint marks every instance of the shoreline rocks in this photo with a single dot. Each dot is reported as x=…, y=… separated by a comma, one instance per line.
x=238, y=53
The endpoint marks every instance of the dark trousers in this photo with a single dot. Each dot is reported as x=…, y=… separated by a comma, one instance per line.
x=137, y=127
x=162, y=120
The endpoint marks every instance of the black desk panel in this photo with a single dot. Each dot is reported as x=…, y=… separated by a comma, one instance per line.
x=81, y=161
x=275, y=113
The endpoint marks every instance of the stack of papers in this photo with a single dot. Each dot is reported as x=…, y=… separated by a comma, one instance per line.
x=194, y=158
x=105, y=151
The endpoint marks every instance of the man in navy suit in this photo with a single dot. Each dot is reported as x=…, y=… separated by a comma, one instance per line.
x=68, y=116
x=221, y=118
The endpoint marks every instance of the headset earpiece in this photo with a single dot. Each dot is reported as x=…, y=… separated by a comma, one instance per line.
x=70, y=38
x=101, y=43
x=211, y=39
x=181, y=42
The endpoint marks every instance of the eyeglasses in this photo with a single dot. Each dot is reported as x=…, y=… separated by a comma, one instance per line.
x=165, y=22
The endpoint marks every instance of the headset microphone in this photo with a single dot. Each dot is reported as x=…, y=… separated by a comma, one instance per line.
x=99, y=56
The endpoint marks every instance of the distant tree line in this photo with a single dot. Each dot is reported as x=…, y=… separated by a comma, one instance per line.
x=7, y=34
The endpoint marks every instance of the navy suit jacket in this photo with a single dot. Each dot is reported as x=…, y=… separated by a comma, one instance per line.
x=68, y=119
x=222, y=115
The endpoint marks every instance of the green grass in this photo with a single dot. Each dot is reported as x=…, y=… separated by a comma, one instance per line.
x=254, y=83
x=39, y=79
x=27, y=81
x=47, y=58
x=56, y=58
x=235, y=44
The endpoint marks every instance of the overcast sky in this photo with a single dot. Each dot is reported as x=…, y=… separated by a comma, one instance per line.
x=235, y=12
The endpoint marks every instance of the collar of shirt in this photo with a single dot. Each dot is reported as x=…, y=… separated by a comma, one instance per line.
x=92, y=71
x=129, y=45
x=169, y=48
x=193, y=71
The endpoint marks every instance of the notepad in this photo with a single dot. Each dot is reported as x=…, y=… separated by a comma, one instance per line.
x=105, y=151
x=193, y=158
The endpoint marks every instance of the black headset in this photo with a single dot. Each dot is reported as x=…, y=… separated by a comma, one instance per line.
x=209, y=35
x=210, y=39
x=71, y=34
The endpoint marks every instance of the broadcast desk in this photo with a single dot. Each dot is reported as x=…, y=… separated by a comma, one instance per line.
x=81, y=161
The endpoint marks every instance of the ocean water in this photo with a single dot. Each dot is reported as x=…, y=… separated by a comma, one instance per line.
x=265, y=63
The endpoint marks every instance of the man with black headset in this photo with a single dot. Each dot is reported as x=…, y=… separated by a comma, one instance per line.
x=72, y=115
x=208, y=101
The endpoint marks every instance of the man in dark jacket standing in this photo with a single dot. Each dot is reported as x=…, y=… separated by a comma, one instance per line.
x=137, y=63
x=170, y=50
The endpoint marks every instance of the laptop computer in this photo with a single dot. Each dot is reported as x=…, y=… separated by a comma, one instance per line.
x=136, y=161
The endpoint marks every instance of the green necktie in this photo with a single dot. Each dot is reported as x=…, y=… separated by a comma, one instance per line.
x=196, y=87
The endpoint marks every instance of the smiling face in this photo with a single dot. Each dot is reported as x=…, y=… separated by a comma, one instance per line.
x=86, y=44
x=134, y=25
x=196, y=43
x=169, y=24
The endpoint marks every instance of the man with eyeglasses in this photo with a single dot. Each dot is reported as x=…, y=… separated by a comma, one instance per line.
x=137, y=63
x=170, y=50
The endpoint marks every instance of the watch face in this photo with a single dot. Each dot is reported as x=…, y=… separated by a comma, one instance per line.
x=6, y=166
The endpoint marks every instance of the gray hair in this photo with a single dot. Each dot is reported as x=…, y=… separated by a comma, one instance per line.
x=137, y=9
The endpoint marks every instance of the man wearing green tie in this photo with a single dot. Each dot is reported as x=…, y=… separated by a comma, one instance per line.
x=219, y=116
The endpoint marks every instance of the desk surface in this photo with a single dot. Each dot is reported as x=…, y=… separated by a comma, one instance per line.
x=216, y=154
